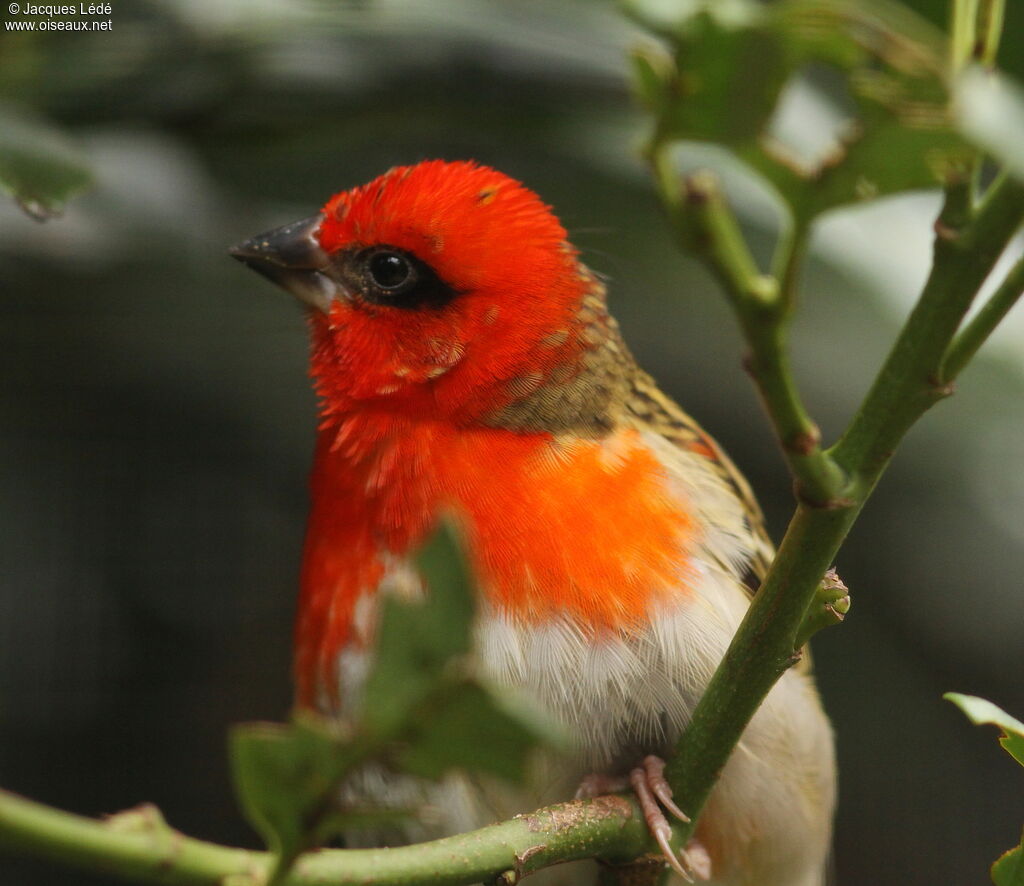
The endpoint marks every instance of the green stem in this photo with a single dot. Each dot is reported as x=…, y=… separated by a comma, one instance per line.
x=818, y=480
x=663, y=171
x=963, y=22
x=975, y=28
x=763, y=304
x=909, y=381
x=608, y=827
x=705, y=224
x=991, y=14
x=712, y=229
x=136, y=845
x=788, y=260
x=980, y=327
x=958, y=206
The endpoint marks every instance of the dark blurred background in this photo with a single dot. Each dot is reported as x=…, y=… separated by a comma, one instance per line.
x=156, y=419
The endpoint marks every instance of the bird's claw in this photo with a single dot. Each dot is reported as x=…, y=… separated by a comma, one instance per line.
x=653, y=792
x=651, y=789
x=654, y=768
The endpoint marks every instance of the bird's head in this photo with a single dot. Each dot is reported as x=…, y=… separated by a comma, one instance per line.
x=440, y=288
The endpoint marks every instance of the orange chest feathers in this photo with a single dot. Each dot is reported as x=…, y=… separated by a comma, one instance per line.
x=582, y=528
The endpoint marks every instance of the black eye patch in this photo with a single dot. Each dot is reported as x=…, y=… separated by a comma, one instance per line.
x=387, y=275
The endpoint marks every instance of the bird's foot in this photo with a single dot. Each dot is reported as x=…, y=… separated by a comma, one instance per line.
x=653, y=792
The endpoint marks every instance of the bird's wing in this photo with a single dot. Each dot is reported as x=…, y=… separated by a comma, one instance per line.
x=660, y=414
x=652, y=409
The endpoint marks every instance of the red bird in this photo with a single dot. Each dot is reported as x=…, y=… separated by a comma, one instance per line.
x=466, y=362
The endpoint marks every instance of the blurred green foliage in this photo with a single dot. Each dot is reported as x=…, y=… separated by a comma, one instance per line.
x=423, y=711
x=38, y=166
x=730, y=64
x=1008, y=870
x=990, y=108
x=418, y=639
x=287, y=777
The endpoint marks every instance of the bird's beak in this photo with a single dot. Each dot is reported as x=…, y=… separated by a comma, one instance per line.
x=292, y=257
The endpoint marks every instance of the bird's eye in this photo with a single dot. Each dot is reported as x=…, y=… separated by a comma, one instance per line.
x=389, y=275
x=390, y=270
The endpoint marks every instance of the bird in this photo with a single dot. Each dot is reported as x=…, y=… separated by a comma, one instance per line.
x=466, y=363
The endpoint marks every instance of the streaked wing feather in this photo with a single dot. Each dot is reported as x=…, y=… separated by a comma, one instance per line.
x=662, y=415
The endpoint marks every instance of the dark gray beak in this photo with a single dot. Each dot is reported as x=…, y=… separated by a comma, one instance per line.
x=292, y=257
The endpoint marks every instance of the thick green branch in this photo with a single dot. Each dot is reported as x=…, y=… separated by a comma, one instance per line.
x=140, y=847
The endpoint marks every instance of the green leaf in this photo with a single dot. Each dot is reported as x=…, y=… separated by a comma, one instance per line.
x=422, y=695
x=476, y=730
x=1008, y=869
x=715, y=98
x=449, y=615
x=705, y=90
x=652, y=70
x=902, y=134
x=979, y=711
x=418, y=636
x=990, y=111
x=286, y=778
x=729, y=72
x=361, y=818
x=423, y=710
x=39, y=167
